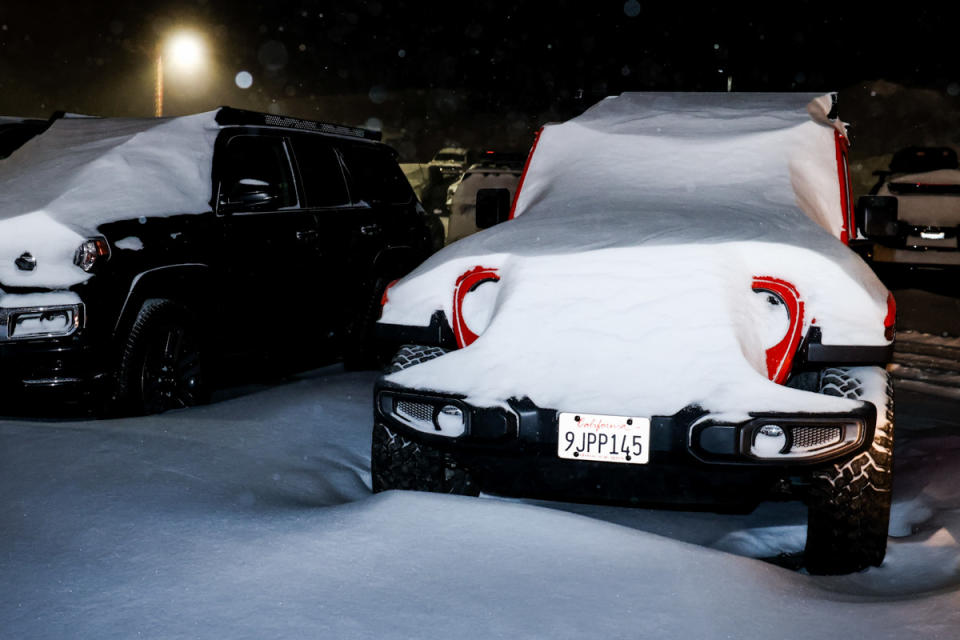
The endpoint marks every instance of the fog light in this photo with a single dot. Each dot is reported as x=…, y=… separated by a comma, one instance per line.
x=450, y=420
x=44, y=322
x=769, y=441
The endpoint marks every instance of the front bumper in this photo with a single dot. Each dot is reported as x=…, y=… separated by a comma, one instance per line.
x=69, y=365
x=694, y=460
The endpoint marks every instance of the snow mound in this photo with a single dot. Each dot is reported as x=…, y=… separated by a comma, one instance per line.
x=84, y=172
x=626, y=275
x=252, y=518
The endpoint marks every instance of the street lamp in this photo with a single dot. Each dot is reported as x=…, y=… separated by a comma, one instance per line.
x=185, y=52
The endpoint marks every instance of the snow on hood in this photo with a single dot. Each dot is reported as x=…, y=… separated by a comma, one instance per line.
x=626, y=275
x=61, y=185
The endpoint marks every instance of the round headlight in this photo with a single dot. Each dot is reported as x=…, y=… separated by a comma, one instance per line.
x=769, y=441
x=450, y=420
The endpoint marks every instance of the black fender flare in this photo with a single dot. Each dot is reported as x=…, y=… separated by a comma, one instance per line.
x=190, y=284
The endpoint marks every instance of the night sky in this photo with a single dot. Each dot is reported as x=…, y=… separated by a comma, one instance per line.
x=421, y=68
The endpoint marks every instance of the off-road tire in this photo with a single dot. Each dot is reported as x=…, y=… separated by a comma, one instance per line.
x=163, y=361
x=410, y=355
x=399, y=463
x=849, y=503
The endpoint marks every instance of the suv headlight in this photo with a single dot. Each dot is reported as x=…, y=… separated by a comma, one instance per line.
x=40, y=322
x=91, y=253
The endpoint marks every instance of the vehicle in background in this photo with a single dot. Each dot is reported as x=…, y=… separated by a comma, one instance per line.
x=911, y=217
x=138, y=257
x=670, y=315
x=450, y=162
x=490, y=174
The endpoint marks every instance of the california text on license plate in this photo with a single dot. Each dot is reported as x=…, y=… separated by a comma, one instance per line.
x=587, y=436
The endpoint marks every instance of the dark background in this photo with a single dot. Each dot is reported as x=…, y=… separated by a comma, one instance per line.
x=484, y=73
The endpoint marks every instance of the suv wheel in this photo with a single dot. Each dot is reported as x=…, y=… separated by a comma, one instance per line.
x=360, y=348
x=849, y=504
x=399, y=463
x=163, y=364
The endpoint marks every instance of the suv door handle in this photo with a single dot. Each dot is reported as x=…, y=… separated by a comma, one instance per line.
x=308, y=237
x=370, y=229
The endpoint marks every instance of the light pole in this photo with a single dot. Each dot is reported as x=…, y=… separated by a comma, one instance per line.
x=184, y=50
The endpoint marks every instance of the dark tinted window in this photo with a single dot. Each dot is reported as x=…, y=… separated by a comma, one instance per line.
x=320, y=172
x=375, y=176
x=258, y=161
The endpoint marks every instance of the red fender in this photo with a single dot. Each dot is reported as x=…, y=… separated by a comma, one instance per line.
x=780, y=356
x=465, y=284
x=848, y=227
x=890, y=321
x=516, y=195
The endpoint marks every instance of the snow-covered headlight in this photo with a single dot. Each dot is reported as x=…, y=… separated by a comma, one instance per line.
x=780, y=314
x=45, y=322
x=776, y=317
x=450, y=419
x=769, y=441
x=91, y=253
x=474, y=300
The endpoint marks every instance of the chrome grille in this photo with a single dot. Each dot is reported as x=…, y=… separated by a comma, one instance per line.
x=807, y=438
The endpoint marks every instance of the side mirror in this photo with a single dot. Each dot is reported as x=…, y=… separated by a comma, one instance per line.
x=493, y=207
x=877, y=216
x=252, y=192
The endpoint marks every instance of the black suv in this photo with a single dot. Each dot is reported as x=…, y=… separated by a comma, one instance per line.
x=297, y=228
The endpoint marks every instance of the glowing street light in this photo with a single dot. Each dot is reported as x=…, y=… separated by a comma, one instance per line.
x=185, y=52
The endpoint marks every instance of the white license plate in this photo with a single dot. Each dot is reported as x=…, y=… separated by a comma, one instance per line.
x=588, y=436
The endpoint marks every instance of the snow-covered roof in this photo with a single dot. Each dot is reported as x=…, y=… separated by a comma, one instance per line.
x=83, y=172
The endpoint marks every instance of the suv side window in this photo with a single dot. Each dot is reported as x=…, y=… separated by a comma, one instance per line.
x=321, y=173
x=258, y=162
x=376, y=176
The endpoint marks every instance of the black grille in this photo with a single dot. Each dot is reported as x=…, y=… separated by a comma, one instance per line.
x=416, y=411
x=814, y=437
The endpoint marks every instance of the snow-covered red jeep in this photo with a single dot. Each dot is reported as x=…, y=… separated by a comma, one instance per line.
x=670, y=316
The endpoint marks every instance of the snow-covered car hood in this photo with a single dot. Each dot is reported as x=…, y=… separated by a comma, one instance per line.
x=626, y=276
x=60, y=186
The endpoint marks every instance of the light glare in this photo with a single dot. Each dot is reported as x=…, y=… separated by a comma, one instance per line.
x=244, y=80
x=185, y=51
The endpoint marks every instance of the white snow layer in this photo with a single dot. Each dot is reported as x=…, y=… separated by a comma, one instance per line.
x=252, y=518
x=626, y=276
x=60, y=186
x=129, y=243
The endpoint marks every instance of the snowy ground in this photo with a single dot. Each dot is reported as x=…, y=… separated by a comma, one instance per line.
x=253, y=518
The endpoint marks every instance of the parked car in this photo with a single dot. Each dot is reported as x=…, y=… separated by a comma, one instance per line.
x=670, y=315
x=462, y=194
x=450, y=162
x=911, y=217
x=138, y=255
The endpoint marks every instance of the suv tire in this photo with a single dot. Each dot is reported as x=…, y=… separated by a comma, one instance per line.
x=163, y=361
x=360, y=348
x=849, y=504
x=399, y=463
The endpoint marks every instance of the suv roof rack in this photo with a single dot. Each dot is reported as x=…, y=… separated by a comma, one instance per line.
x=232, y=116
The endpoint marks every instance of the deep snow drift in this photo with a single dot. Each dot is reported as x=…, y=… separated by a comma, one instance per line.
x=252, y=518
